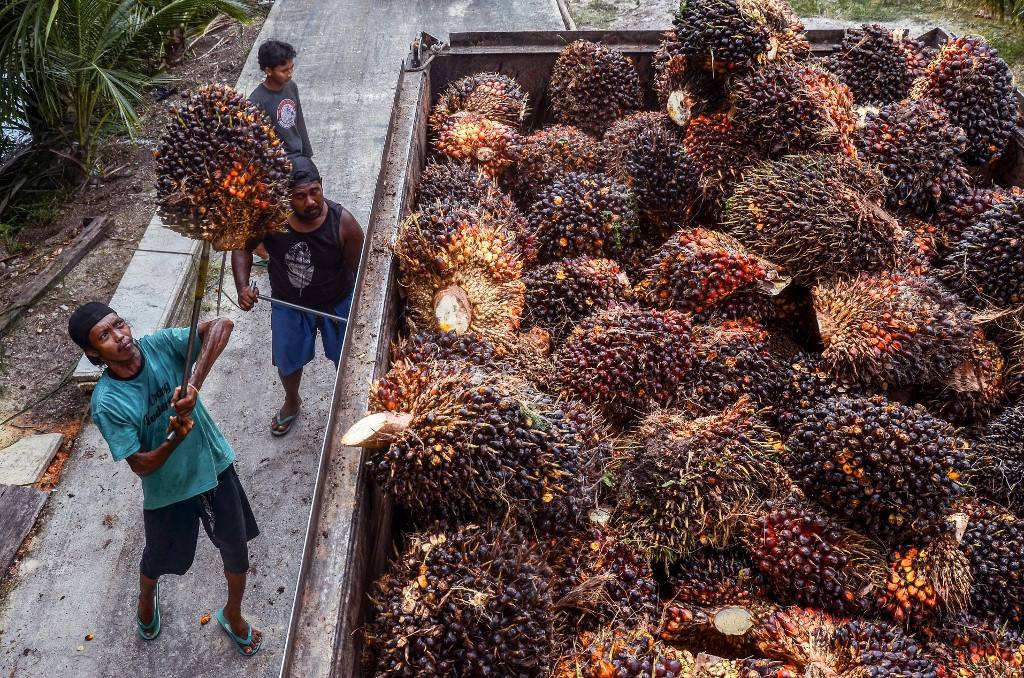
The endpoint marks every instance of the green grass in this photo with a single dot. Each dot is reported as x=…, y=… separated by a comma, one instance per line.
x=599, y=13
x=961, y=18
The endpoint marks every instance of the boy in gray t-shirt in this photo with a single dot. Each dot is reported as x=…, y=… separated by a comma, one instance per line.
x=278, y=96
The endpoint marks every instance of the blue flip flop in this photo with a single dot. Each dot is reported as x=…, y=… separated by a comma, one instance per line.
x=151, y=630
x=242, y=644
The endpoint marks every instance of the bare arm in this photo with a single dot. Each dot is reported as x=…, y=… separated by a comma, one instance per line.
x=144, y=463
x=351, y=241
x=241, y=269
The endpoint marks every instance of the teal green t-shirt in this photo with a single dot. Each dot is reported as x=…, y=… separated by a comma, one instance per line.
x=132, y=415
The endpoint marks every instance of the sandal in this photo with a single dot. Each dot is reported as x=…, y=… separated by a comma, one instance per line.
x=151, y=630
x=282, y=425
x=244, y=645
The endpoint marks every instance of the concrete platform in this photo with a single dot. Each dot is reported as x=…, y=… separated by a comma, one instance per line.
x=80, y=576
x=24, y=462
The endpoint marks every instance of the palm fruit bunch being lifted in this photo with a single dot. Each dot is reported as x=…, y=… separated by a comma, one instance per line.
x=222, y=173
x=878, y=64
x=975, y=86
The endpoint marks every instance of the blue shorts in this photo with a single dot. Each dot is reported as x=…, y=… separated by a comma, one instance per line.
x=293, y=336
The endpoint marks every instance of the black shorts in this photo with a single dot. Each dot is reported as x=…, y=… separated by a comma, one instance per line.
x=172, y=532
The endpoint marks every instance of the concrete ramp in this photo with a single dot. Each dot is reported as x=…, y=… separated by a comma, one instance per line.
x=81, y=574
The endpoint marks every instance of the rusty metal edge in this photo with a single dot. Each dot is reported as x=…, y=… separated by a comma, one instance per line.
x=322, y=595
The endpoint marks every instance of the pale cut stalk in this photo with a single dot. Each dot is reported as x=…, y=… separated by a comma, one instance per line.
x=377, y=430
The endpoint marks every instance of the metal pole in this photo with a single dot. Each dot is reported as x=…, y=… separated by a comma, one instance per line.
x=193, y=330
x=329, y=316
x=220, y=282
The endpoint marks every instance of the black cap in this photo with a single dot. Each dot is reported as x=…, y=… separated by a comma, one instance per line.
x=303, y=171
x=84, y=319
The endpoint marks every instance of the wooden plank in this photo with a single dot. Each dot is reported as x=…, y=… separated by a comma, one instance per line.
x=19, y=506
x=58, y=268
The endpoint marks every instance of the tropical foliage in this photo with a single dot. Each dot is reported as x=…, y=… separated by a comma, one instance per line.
x=73, y=72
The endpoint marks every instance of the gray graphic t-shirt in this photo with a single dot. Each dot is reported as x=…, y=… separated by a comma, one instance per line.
x=285, y=111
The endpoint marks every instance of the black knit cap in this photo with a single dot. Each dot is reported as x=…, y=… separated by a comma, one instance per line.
x=84, y=319
x=303, y=171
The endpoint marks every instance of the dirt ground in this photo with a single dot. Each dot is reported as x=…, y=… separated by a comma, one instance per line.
x=36, y=356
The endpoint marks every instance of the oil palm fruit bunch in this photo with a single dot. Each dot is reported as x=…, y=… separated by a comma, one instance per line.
x=584, y=214
x=975, y=389
x=687, y=483
x=626, y=360
x=878, y=64
x=975, y=86
x=459, y=602
x=684, y=85
x=433, y=345
x=892, y=468
x=984, y=264
x=816, y=216
x=475, y=139
x=994, y=544
x=972, y=648
x=710, y=666
x=546, y=154
x=912, y=142
x=927, y=582
x=1000, y=472
x=791, y=107
x=561, y=293
x=891, y=330
x=806, y=382
x=615, y=652
x=798, y=635
x=493, y=95
x=720, y=152
x=592, y=86
x=787, y=30
x=452, y=181
x=471, y=442
x=751, y=304
x=810, y=559
x=645, y=152
x=461, y=268
x=222, y=173
x=864, y=648
x=724, y=35
x=714, y=598
x=599, y=579
x=733, y=359
x=697, y=268
x=964, y=210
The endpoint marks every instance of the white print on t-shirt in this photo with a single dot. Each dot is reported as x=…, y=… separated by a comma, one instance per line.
x=299, y=263
x=286, y=113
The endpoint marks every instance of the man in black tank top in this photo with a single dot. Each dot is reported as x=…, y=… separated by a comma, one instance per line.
x=312, y=264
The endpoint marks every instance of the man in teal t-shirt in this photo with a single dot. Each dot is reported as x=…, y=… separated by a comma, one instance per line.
x=188, y=478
